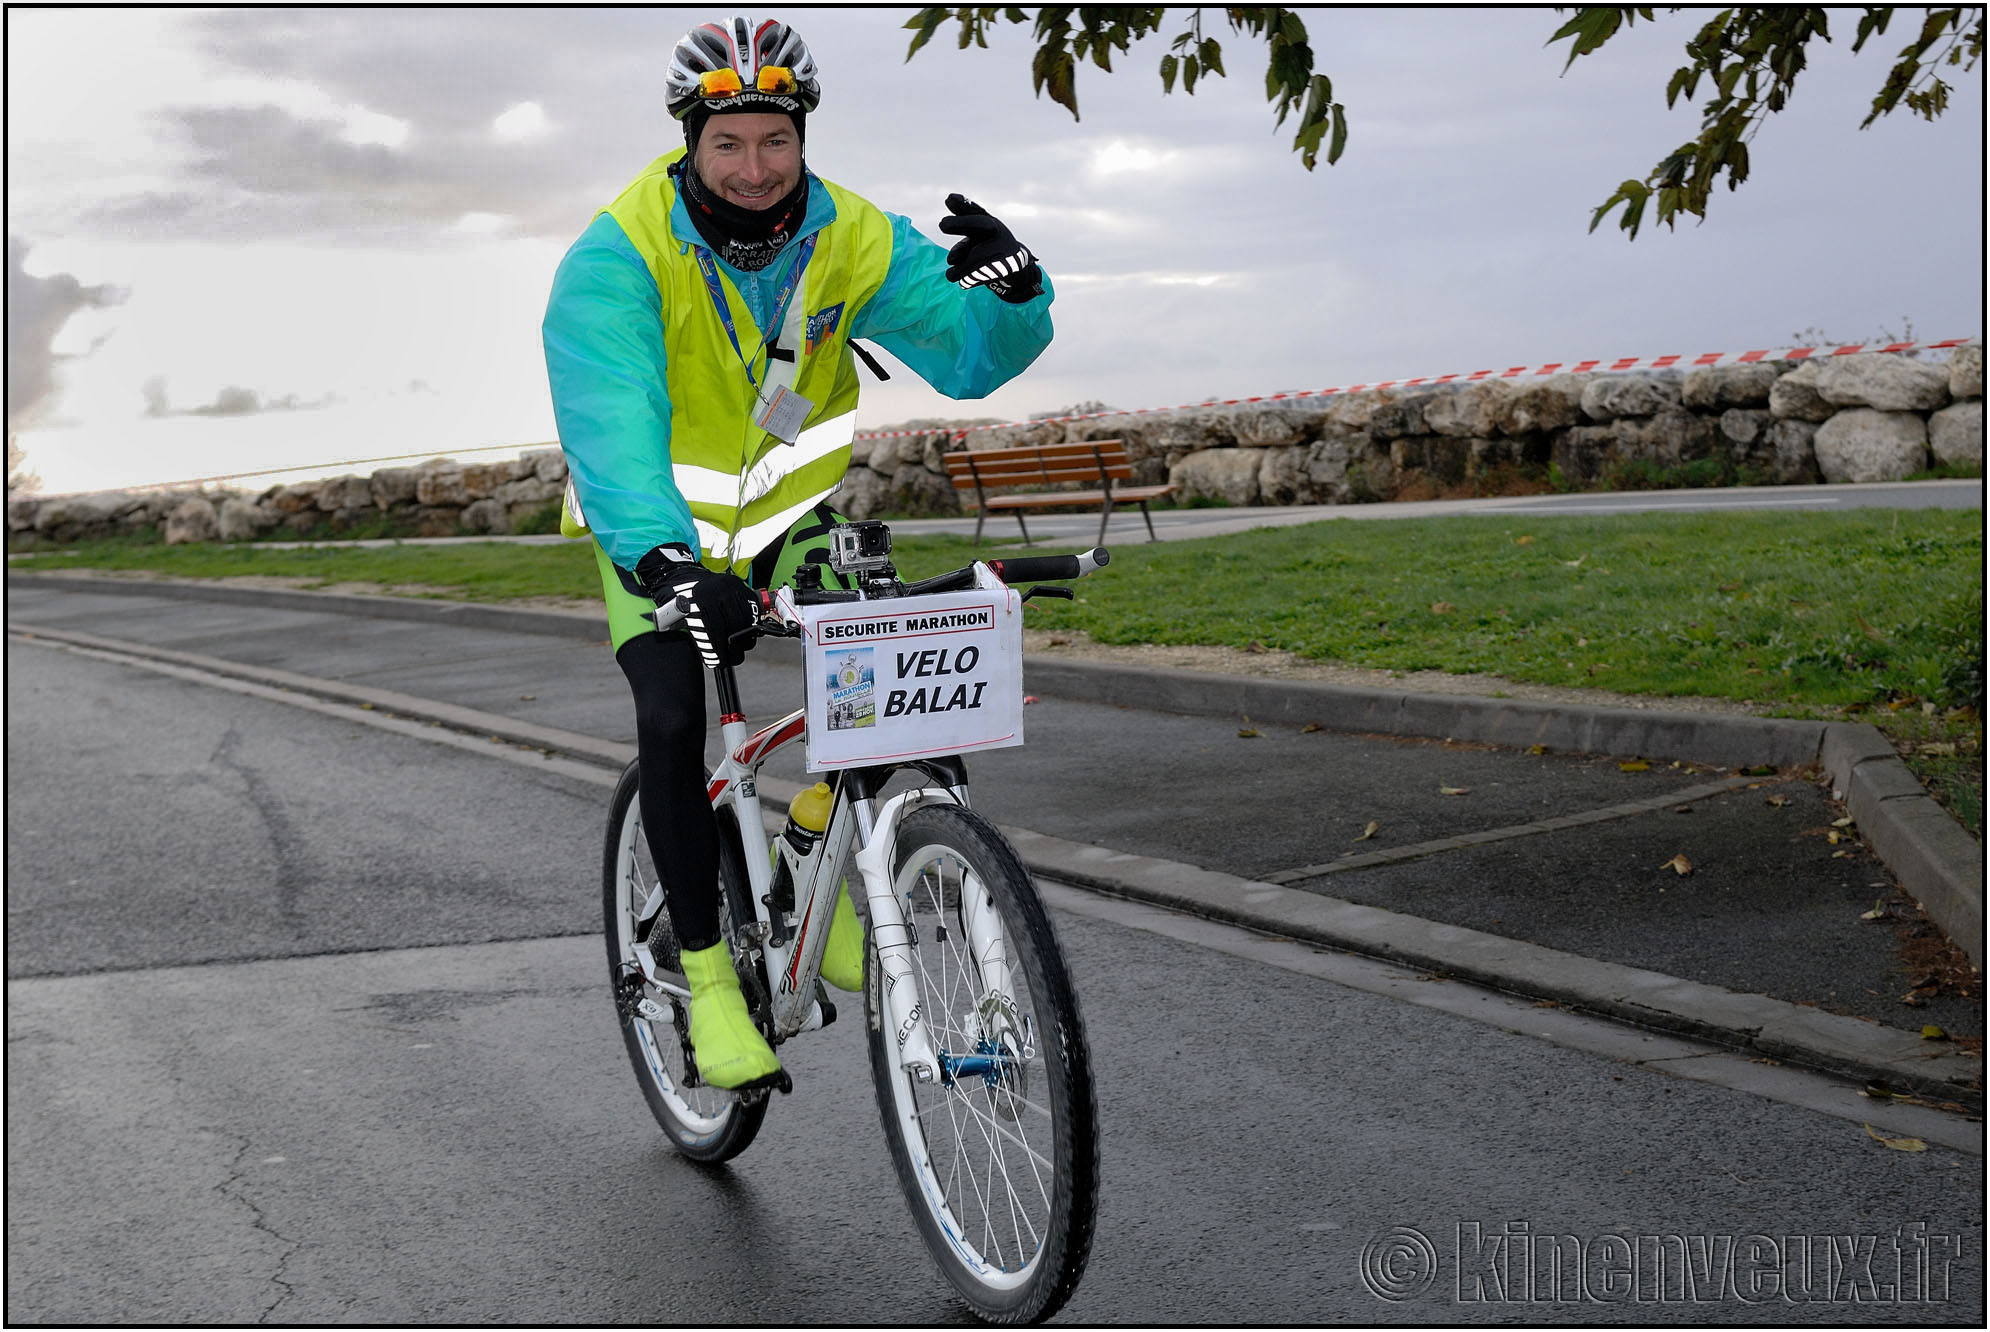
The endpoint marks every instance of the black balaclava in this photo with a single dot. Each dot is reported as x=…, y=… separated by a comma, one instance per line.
x=746, y=238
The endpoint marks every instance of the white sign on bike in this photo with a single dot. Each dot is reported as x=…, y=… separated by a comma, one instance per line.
x=902, y=678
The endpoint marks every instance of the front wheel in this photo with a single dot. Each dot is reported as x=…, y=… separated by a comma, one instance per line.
x=704, y=1123
x=999, y=1159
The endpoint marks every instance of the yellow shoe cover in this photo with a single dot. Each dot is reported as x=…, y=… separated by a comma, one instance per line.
x=843, y=955
x=731, y=1051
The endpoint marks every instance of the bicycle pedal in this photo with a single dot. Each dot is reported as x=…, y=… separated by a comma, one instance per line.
x=756, y=1091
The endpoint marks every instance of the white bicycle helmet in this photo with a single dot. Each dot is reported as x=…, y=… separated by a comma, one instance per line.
x=742, y=65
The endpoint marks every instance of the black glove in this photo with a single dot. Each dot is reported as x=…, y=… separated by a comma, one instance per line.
x=721, y=605
x=989, y=254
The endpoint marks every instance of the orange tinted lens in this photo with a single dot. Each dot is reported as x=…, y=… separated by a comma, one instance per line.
x=719, y=83
x=776, y=79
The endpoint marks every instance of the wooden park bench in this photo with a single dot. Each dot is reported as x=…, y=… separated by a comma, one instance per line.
x=1097, y=462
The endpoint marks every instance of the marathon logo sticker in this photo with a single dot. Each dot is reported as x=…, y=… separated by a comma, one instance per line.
x=851, y=690
x=822, y=326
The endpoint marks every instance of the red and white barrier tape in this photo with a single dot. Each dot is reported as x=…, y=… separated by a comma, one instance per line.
x=1514, y=372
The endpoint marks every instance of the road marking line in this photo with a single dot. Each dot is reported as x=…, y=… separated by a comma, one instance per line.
x=433, y=732
x=1353, y=860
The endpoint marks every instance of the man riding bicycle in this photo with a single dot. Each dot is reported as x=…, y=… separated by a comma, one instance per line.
x=698, y=346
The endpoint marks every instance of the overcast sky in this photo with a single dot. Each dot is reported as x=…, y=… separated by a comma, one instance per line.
x=257, y=238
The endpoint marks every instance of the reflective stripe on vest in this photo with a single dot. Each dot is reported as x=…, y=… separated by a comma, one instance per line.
x=743, y=485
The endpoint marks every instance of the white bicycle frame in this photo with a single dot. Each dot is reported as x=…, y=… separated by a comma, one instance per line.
x=792, y=963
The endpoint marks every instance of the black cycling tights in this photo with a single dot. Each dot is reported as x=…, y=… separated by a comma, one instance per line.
x=669, y=685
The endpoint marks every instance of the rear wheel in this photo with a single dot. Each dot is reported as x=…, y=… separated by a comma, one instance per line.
x=705, y=1123
x=999, y=1160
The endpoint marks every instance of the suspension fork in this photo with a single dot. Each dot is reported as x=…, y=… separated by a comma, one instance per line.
x=891, y=933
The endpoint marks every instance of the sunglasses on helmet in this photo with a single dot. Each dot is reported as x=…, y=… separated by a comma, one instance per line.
x=721, y=83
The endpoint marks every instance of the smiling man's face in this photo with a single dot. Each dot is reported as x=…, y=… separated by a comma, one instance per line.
x=750, y=159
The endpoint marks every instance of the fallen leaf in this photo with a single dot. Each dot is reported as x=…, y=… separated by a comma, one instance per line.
x=1635, y=765
x=1368, y=832
x=1248, y=733
x=1441, y=608
x=1537, y=749
x=1898, y=1144
x=1942, y=747
x=1845, y=822
x=1913, y=1000
x=1760, y=770
x=1877, y=913
x=1779, y=801
x=1311, y=727
x=1841, y=855
x=1679, y=865
x=1255, y=647
x=1028, y=699
x=528, y=698
x=1523, y=541
x=1575, y=563
x=1834, y=837
x=1933, y=1033
x=366, y=707
x=1060, y=642
x=1453, y=790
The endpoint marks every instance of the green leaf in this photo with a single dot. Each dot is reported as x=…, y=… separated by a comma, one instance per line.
x=1189, y=71
x=1212, y=56
x=1339, y=140
x=1168, y=64
x=927, y=21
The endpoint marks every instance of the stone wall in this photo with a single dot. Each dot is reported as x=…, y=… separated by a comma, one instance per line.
x=441, y=497
x=1853, y=418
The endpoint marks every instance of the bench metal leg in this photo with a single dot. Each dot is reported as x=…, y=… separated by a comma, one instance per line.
x=1104, y=515
x=979, y=519
x=1150, y=521
x=1025, y=526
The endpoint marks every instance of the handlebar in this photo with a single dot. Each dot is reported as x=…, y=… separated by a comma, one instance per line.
x=1051, y=568
x=1026, y=569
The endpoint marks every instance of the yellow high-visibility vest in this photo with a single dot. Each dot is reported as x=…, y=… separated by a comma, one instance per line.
x=745, y=486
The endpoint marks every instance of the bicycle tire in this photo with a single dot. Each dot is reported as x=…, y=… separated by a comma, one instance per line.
x=705, y=1123
x=973, y=1156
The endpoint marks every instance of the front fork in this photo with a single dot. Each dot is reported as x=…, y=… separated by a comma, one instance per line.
x=891, y=934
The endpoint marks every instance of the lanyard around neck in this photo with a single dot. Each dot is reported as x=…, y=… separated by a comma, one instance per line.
x=709, y=268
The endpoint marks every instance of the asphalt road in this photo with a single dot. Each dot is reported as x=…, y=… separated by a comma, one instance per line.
x=1772, y=908
x=307, y=1021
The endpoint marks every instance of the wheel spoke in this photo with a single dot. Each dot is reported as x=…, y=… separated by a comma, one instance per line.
x=1002, y=1167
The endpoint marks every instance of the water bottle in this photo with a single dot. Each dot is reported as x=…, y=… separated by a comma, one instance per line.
x=808, y=816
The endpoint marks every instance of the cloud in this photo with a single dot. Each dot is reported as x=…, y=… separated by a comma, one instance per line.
x=233, y=400
x=37, y=308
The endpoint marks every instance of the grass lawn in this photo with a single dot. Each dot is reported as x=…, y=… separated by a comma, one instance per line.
x=1870, y=614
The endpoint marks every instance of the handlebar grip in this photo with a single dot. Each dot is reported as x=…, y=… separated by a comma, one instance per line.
x=1050, y=568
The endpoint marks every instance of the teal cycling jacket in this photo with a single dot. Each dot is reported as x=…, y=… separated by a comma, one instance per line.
x=616, y=396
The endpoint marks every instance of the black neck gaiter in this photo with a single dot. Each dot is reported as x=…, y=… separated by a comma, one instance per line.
x=746, y=238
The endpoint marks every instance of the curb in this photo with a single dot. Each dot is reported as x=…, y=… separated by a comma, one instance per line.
x=1937, y=862
x=1830, y=1043
x=1843, y=1046
x=472, y=615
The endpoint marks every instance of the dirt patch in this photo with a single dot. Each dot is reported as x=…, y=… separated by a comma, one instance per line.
x=1278, y=665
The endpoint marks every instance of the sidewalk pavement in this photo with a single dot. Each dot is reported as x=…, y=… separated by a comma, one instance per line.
x=1510, y=845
